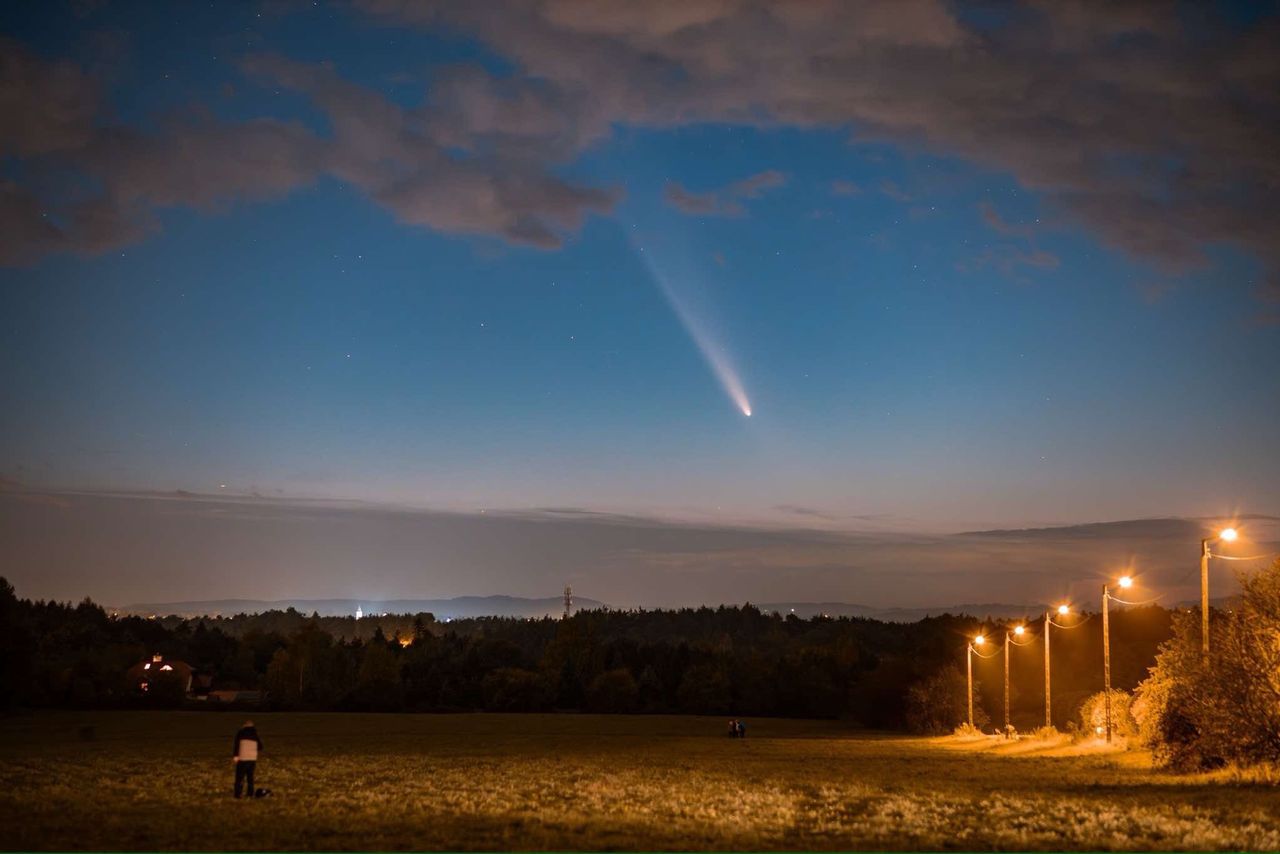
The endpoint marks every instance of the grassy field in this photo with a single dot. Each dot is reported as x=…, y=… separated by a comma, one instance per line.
x=162, y=781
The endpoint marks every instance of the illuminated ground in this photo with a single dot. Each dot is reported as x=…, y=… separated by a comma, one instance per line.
x=162, y=781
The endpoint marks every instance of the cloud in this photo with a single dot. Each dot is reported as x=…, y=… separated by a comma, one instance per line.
x=726, y=201
x=1133, y=120
x=997, y=223
x=845, y=188
x=400, y=158
x=47, y=106
x=121, y=548
x=92, y=186
x=1150, y=127
x=98, y=186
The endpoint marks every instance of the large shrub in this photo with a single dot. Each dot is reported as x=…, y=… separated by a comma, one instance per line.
x=939, y=703
x=1093, y=715
x=1193, y=716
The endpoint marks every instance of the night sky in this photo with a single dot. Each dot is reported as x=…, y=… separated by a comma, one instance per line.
x=966, y=266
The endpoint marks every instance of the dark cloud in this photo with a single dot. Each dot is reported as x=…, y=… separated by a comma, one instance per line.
x=1154, y=126
x=404, y=160
x=44, y=106
x=725, y=201
x=998, y=224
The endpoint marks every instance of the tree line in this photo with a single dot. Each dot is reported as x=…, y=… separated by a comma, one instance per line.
x=729, y=660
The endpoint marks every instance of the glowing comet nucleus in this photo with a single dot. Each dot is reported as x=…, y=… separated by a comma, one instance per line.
x=711, y=349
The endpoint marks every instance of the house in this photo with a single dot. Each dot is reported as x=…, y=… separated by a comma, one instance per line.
x=143, y=674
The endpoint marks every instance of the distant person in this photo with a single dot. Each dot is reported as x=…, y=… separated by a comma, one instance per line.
x=742, y=730
x=244, y=752
x=733, y=729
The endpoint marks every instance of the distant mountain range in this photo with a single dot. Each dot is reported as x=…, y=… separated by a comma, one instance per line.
x=805, y=610
x=515, y=606
x=443, y=609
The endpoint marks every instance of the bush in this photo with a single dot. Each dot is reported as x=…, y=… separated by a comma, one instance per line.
x=939, y=703
x=1044, y=733
x=1195, y=717
x=1093, y=715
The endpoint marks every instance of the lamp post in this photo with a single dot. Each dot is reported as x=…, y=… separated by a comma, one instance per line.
x=969, y=650
x=1017, y=630
x=1227, y=535
x=1126, y=582
x=1063, y=610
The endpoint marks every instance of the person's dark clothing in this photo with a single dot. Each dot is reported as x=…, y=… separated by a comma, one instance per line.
x=244, y=774
x=245, y=750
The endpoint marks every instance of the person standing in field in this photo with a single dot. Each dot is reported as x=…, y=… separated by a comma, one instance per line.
x=244, y=752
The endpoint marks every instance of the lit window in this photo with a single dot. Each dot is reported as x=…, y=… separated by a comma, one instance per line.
x=146, y=666
x=167, y=667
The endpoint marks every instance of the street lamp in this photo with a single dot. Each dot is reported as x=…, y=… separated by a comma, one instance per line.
x=1008, y=639
x=1225, y=535
x=971, y=651
x=1125, y=581
x=1063, y=610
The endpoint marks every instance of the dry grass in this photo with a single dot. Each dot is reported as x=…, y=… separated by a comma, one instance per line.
x=162, y=781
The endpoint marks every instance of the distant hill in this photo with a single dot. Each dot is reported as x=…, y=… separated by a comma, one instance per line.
x=443, y=609
x=805, y=610
x=462, y=607
x=552, y=606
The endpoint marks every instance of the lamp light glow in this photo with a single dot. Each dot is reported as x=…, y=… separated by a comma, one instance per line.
x=1126, y=581
x=980, y=640
x=1017, y=630
x=1064, y=609
x=1228, y=534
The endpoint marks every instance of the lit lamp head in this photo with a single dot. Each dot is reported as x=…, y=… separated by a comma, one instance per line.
x=1228, y=534
x=1017, y=630
x=980, y=640
x=1063, y=610
x=1126, y=581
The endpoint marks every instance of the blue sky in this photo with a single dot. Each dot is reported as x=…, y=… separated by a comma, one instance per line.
x=932, y=338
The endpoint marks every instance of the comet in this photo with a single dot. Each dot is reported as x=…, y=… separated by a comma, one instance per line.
x=715, y=354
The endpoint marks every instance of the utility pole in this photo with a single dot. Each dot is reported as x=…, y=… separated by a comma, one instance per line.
x=1048, y=713
x=968, y=660
x=1227, y=535
x=1204, y=602
x=1106, y=657
x=1006, y=684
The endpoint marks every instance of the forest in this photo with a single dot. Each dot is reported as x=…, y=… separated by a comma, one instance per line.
x=729, y=660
